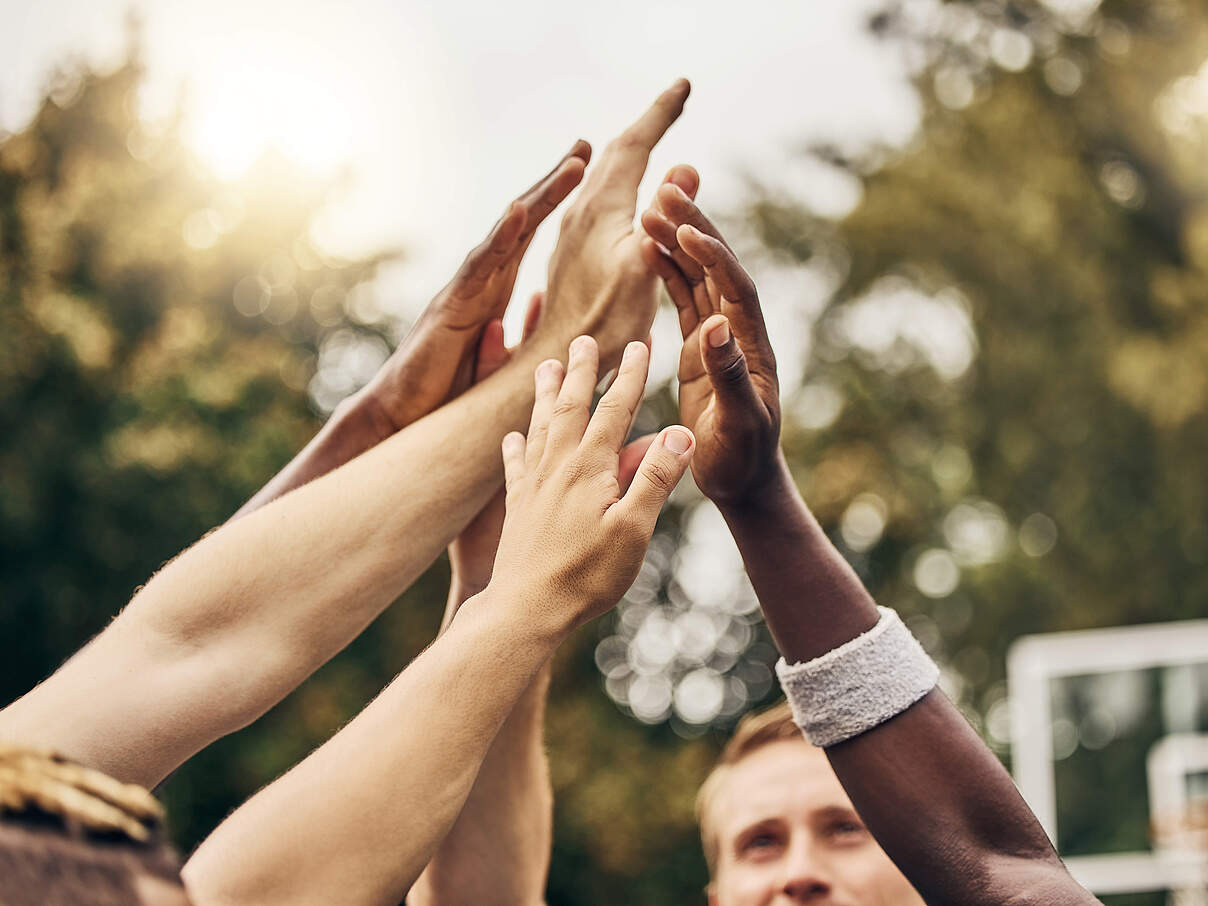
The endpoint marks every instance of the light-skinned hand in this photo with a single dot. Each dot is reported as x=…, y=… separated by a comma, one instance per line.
x=572, y=540
x=598, y=283
x=436, y=360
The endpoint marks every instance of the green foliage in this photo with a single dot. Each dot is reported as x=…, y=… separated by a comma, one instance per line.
x=1056, y=211
x=138, y=407
x=158, y=331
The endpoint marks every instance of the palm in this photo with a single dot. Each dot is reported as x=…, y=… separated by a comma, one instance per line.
x=726, y=455
x=736, y=434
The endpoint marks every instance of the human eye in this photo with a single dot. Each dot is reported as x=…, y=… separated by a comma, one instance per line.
x=846, y=830
x=760, y=843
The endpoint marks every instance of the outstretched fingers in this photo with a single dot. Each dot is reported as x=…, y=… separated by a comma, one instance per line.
x=739, y=300
x=572, y=409
x=624, y=160
x=548, y=381
x=508, y=240
x=551, y=190
x=614, y=413
x=493, y=252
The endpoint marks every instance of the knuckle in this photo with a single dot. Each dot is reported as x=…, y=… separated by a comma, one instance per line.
x=733, y=370
x=610, y=406
x=660, y=474
x=565, y=407
x=576, y=469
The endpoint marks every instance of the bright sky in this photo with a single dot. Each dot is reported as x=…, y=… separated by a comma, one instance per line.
x=443, y=111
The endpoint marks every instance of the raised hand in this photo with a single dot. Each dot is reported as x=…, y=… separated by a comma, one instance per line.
x=572, y=544
x=436, y=360
x=472, y=553
x=729, y=392
x=598, y=283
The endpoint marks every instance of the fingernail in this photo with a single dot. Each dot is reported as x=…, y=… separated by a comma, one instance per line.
x=578, y=346
x=720, y=335
x=547, y=372
x=677, y=440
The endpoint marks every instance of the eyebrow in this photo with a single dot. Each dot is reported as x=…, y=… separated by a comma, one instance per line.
x=835, y=811
x=749, y=830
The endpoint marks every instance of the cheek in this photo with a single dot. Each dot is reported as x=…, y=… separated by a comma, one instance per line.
x=746, y=884
x=873, y=880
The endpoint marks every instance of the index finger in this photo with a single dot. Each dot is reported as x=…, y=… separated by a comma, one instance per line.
x=623, y=163
x=549, y=191
x=740, y=301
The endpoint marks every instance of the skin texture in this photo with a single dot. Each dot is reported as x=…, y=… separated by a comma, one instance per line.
x=969, y=837
x=239, y=620
x=395, y=779
x=597, y=260
x=787, y=833
x=498, y=848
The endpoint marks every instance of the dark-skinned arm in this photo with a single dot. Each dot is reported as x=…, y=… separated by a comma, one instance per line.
x=932, y=794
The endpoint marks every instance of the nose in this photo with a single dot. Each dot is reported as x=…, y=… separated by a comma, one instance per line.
x=807, y=877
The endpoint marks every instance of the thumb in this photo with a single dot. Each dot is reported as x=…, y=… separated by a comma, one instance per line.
x=532, y=316
x=659, y=472
x=727, y=367
x=631, y=459
x=492, y=353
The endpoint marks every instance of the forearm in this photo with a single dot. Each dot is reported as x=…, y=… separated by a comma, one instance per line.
x=236, y=622
x=356, y=822
x=498, y=850
x=970, y=838
x=811, y=598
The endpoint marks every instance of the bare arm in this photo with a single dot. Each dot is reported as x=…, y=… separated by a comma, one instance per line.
x=498, y=849
x=222, y=634
x=932, y=794
x=356, y=822
x=236, y=622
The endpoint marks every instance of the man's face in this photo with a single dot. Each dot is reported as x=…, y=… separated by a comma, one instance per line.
x=787, y=833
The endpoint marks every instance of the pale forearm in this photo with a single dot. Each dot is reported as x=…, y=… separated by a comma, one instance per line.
x=356, y=821
x=498, y=850
x=237, y=621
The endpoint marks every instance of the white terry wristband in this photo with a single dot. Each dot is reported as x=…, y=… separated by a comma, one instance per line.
x=860, y=684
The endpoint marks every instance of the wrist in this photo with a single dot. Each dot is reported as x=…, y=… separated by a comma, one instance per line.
x=357, y=423
x=544, y=617
x=766, y=493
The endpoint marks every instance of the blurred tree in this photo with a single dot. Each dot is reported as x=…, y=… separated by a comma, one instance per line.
x=158, y=333
x=1001, y=421
x=1004, y=416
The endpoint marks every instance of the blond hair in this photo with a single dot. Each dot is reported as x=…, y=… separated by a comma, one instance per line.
x=754, y=731
x=72, y=835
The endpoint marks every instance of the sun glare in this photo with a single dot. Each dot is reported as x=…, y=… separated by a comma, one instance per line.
x=272, y=94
